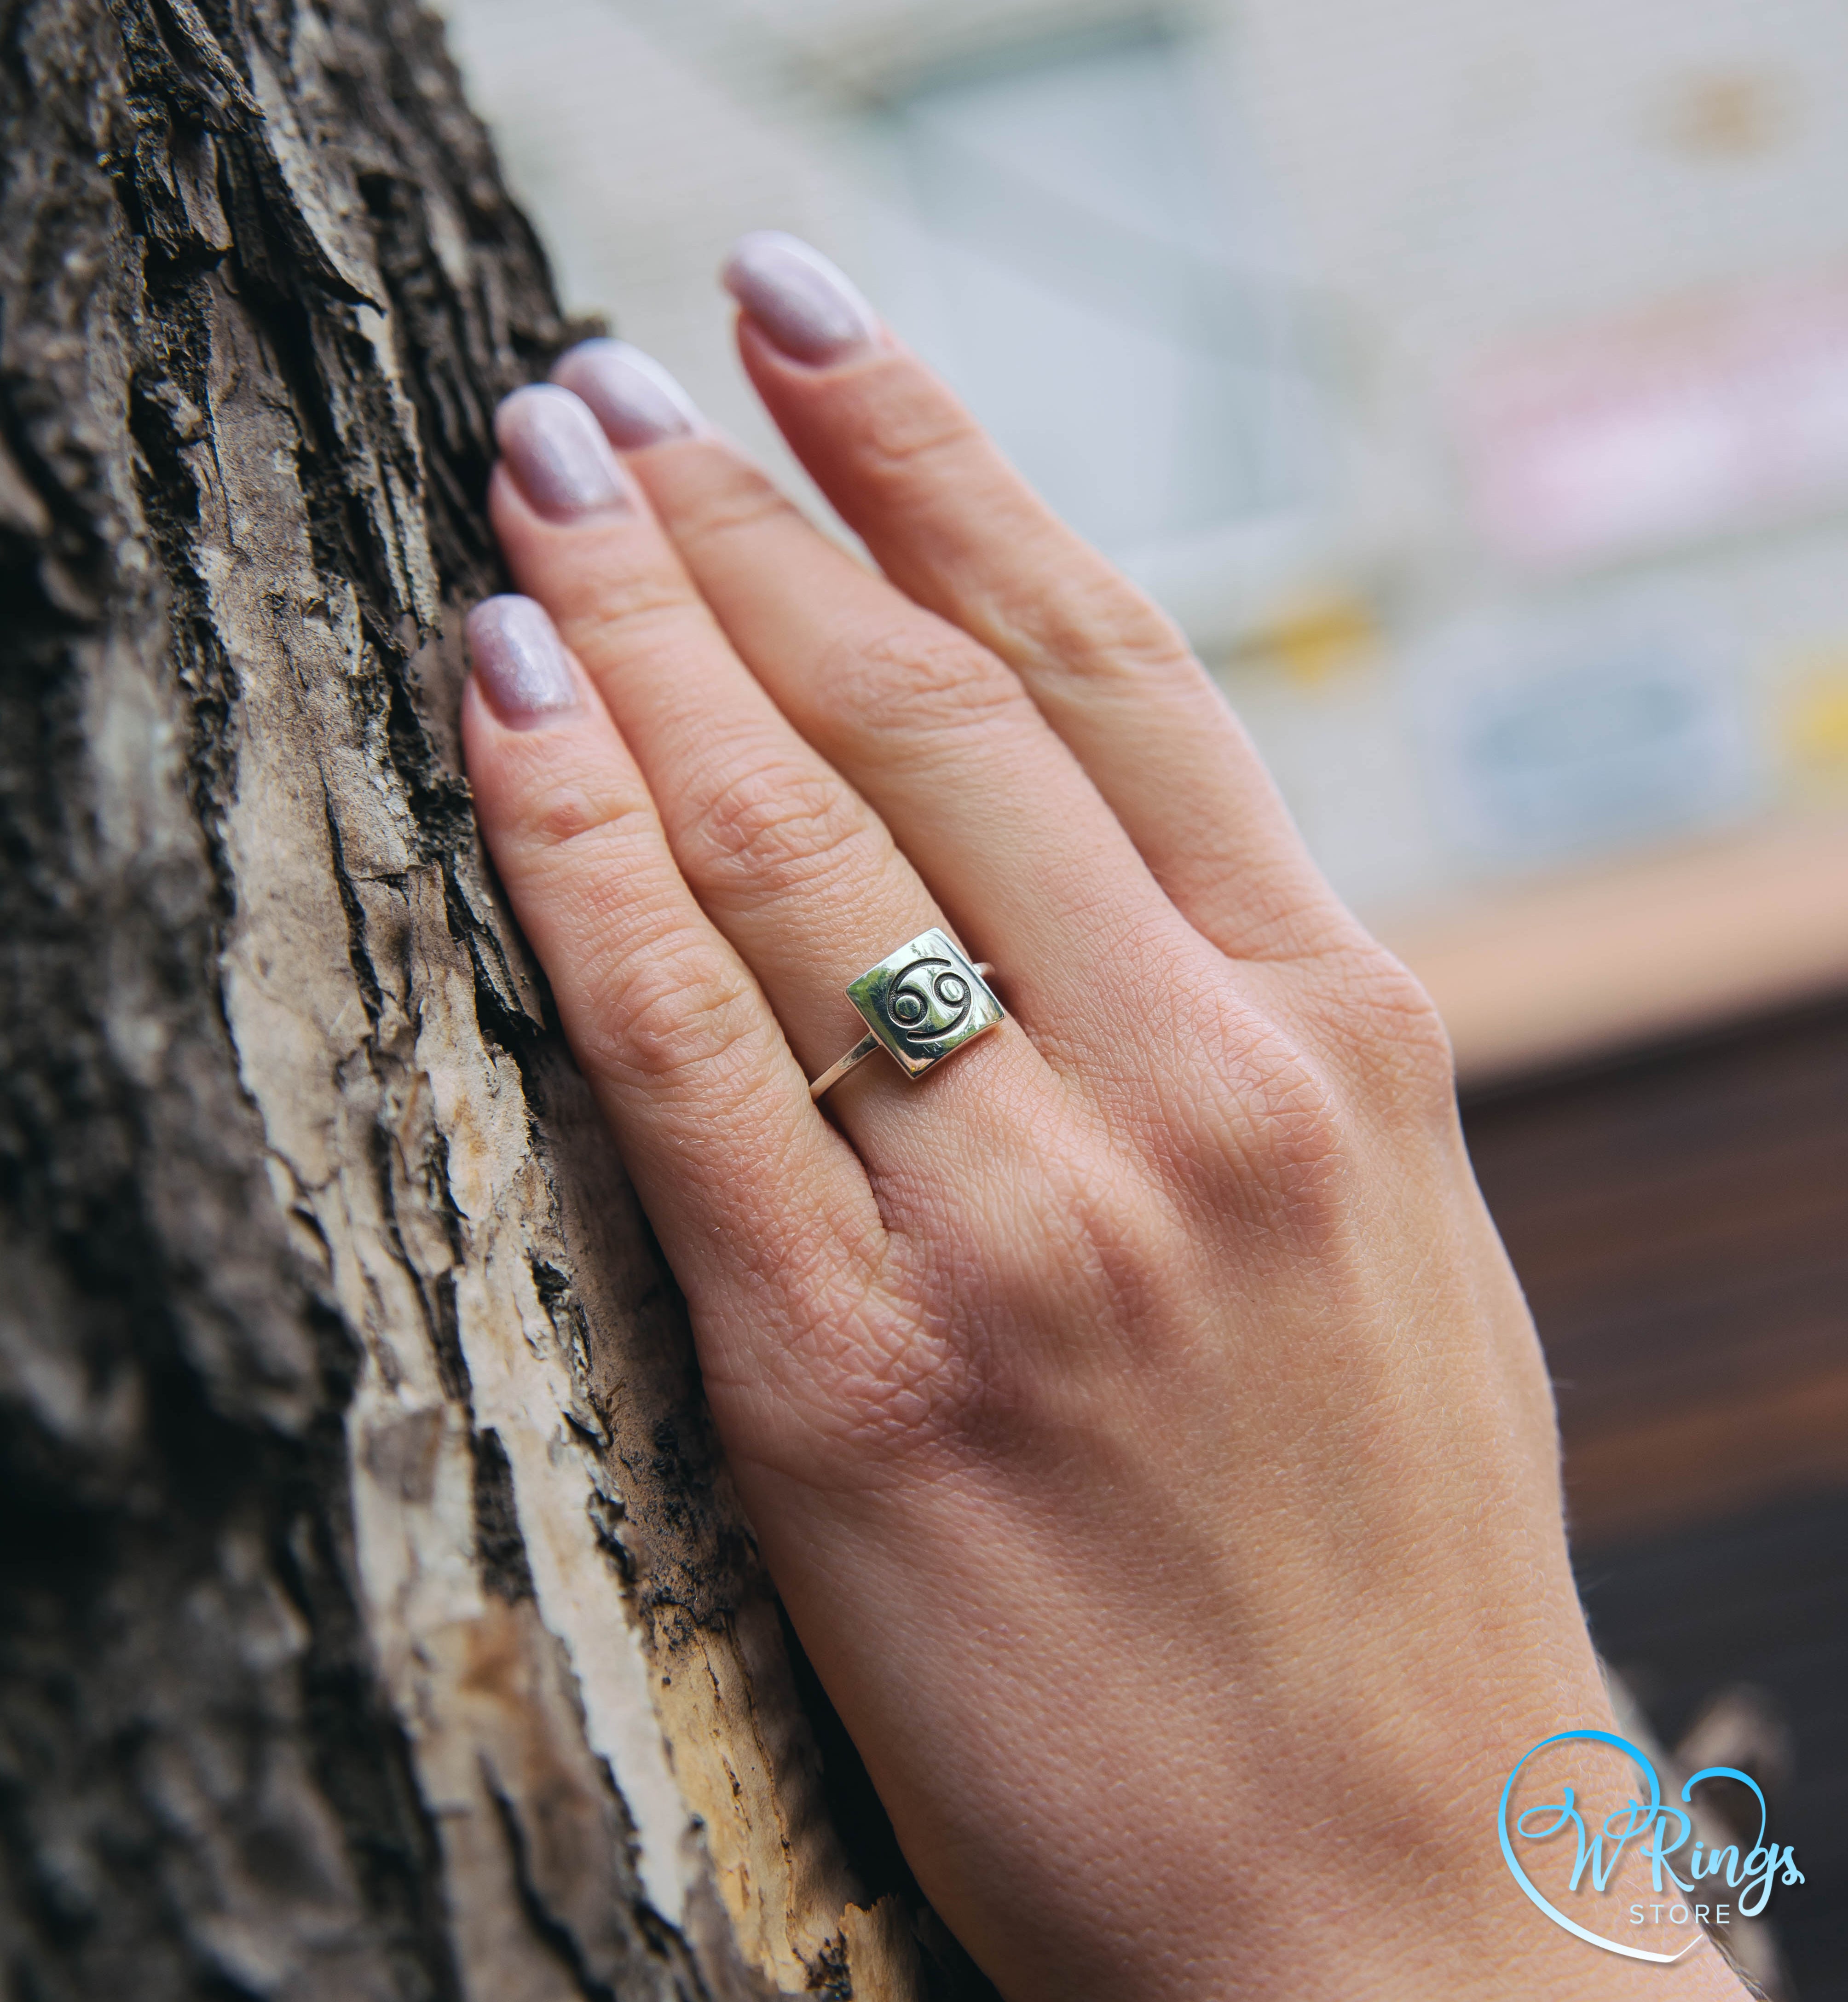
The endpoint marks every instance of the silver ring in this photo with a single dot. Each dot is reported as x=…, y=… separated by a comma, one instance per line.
x=920, y=1004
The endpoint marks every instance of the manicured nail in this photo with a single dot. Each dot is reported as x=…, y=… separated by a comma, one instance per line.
x=519, y=663
x=799, y=301
x=557, y=454
x=635, y=399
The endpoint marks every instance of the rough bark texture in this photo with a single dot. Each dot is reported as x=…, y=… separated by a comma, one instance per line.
x=374, y=1617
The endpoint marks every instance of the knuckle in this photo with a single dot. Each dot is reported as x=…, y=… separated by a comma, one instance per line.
x=781, y=827
x=724, y=498
x=676, y=1009
x=872, y=1388
x=1261, y=1130
x=1377, y=1011
x=1285, y=1107
x=584, y=814
x=1103, y=634
x=622, y=607
x=898, y=1395
x=896, y=437
x=1299, y=1125
x=927, y=675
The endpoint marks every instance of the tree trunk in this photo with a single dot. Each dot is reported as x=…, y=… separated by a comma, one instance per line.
x=375, y=1617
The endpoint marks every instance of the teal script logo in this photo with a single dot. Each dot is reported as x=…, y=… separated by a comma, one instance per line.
x=1661, y=1831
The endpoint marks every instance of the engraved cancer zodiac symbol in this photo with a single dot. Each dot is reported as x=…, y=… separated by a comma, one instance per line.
x=928, y=1000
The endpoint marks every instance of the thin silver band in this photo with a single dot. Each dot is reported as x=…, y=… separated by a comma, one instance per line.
x=835, y=1072
x=864, y=1048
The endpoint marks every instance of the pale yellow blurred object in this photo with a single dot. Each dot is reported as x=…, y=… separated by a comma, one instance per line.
x=1816, y=725
x=1577, y=966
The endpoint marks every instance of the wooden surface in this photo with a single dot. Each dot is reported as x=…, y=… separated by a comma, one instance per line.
x=1680, y=1223
x=1623, y=955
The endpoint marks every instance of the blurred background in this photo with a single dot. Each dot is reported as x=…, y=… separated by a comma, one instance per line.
x=1471, y=381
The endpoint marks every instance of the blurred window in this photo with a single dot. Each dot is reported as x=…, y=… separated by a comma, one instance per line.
x=1095, y=241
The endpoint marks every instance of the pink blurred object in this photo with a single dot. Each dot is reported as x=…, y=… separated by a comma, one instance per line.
x=1698, y=417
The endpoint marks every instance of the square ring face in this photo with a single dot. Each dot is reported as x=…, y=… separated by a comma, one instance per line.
x=925, y=1000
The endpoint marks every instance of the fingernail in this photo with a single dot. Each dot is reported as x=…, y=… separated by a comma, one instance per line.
x=634, y=398
x=557, y=454
x=799, y=302
x=519, y=664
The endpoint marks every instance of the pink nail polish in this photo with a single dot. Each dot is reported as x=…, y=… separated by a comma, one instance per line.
x=635, y=399
x=557, y=454
x=519, y=662
x=799, y=302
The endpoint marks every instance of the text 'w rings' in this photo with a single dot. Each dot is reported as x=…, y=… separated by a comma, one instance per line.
x=919, y=1003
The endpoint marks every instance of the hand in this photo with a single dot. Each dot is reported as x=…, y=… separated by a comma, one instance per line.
x=1138, y=1414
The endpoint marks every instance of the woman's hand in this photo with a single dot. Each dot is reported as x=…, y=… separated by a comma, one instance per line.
x=1138, y=1413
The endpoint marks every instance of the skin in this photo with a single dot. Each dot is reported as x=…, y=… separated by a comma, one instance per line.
x=1139, y=1415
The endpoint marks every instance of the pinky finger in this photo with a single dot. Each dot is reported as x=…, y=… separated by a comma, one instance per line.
x=666, y=1021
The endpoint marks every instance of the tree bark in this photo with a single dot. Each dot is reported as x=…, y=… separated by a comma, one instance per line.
x=375, y=1617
